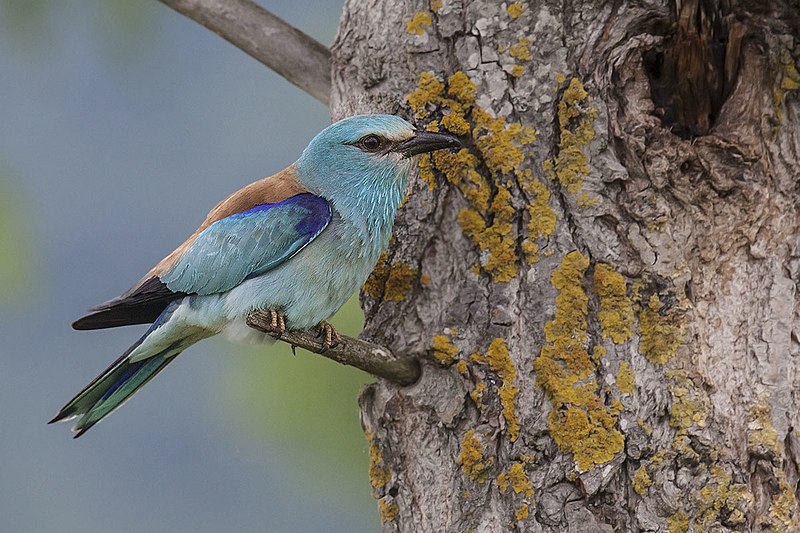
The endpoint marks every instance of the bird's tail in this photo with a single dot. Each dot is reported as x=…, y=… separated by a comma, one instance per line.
x=116, y=384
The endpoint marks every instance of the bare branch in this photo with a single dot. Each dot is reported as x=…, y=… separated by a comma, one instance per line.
x=372, y=358
x=288, y=51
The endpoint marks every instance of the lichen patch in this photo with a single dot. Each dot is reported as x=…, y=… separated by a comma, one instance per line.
x=579, y=421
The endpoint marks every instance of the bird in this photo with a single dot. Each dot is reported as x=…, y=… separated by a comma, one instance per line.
x=298, y=243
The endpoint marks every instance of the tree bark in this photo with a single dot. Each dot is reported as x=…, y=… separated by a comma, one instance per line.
x=602, y=288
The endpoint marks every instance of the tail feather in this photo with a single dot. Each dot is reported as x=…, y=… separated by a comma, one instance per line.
x=135, y=376
x=112, y=388
x=117, y=383
x=92, y=392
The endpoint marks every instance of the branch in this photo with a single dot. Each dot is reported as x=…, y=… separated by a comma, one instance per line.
x=288, y=51
x=372, y=358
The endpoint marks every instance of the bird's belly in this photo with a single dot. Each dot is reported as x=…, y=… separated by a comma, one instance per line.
x=308, y=288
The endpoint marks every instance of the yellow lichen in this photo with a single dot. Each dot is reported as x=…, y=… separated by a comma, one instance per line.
x=429, y=90
x=472, y=457
x=661, y=455
x=579, y=422
x=398, y=282
x=416, y=25
x=576, y=130
x=520, y=50
x=586, y=432
x=598, y=352
x=390, y=281
x=516, y=480
x=678, y=522
x=459, y=169
x=522, y=513
x=569, y=324
x=426, y=171
x=478, y=358
x=500, y=143
x=444, y=351
x=517, y=71
x=660, y=331
x=762, y=438
x=500, y=361
x=542, y=221
x=515, y=10
x=781, y=514
x=586, y=200
x=496, y=238
x=462, y=367
x=489, y=219
x=455, y=123
x=379, y=475
x=688, y=407
x=641, y=481
x=616, y=308
x=376, y=282
x=625, y=378
x=530, y=251
x=789, y=81
x=460, y=87
x=436, y=5
x=719, y=498
x=681, y=445
x=388, y=510
x=477, y=393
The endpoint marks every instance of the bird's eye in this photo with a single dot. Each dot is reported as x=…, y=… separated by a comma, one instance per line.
x=370, y=143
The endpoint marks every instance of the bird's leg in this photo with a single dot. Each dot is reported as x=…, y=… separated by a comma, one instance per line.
x=330, y=337
x=277, y=322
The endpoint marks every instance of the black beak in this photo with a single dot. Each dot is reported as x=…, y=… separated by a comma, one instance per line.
x=426, y=141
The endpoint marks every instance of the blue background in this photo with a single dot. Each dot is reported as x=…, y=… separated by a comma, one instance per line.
x=122, y=124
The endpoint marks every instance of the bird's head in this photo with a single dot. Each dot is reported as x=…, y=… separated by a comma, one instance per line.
x=366, y=155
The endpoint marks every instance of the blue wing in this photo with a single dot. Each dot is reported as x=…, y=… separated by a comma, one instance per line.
x=247, y=244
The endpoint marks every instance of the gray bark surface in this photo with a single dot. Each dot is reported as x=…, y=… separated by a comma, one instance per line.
x=670, y=404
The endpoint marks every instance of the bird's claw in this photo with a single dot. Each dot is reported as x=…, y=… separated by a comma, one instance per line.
x=277, y=322
x=330, y=337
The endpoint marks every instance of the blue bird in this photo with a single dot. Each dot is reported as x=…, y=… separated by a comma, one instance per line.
x=298, y=243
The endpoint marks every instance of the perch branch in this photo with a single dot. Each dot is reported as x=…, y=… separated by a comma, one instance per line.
x=288, y=51
x=372, y=358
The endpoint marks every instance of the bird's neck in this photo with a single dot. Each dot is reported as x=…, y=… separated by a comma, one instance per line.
x=366, y=199
x=370, y=211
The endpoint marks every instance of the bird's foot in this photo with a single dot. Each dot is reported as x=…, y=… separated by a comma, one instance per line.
x=277, y=322
x=330, y=337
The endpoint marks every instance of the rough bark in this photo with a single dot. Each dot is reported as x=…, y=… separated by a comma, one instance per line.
x=607, y=316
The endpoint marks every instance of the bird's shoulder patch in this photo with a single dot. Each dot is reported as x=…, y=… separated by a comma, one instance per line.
x=269, y=190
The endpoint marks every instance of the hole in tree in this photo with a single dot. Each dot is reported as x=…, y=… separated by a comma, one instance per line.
x=693, y=72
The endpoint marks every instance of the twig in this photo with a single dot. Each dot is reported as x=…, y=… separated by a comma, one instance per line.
x=372, y=358
x=288, y=51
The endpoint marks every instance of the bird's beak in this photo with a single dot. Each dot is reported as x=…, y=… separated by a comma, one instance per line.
x=426, y=141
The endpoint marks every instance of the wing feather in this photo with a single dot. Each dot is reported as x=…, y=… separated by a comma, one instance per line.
x=247, y=244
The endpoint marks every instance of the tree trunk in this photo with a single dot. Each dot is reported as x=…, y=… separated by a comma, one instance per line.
x=603, y=286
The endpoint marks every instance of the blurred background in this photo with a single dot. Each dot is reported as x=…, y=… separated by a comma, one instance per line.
x=121, y=124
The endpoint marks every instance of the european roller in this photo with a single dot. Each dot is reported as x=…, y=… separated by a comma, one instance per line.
x=298, y=243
